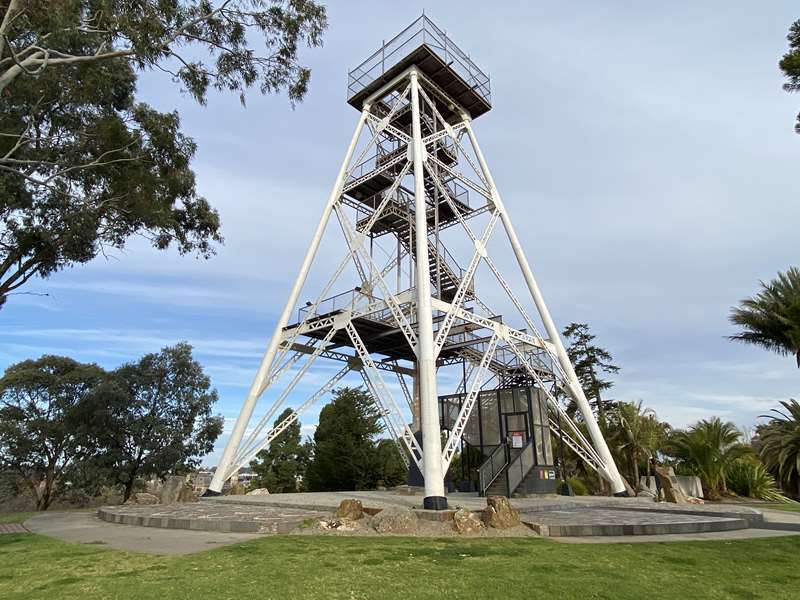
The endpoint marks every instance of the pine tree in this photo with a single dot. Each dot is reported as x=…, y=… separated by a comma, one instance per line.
x=590, y=361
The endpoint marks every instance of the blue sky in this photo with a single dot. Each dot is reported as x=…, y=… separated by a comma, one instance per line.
x=645, y=152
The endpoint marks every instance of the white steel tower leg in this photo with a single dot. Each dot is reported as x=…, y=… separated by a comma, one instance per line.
x=426, y=360
x=617, y=484
x=220, y=476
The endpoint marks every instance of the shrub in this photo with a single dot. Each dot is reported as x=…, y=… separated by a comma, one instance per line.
x=578, y=487
x=750, y=478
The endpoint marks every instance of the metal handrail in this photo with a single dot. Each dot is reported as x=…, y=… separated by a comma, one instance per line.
x=519, y=468
x=426, y=33
x=492, y=467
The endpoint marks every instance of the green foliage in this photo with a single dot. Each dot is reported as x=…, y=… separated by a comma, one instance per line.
x=346, y=455
x=153, y=417
x=708, y=449
x=45, y=420
x=578, y=487
x=750, y=478
x=634, y=434
x=790, y=64
x=83, y=166
x=771, y=319
x=390, y=468
x=589, y=361
x=282, y=466
x=778, y=445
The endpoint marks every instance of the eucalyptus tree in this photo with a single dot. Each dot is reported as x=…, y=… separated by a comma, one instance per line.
x=771, y=318
x=84, y=166
x=46, y=421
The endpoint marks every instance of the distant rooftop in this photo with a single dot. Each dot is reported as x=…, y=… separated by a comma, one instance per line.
x=424, y=44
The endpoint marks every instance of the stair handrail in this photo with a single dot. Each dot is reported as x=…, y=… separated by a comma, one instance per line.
x=492, y=467
x=519, y=468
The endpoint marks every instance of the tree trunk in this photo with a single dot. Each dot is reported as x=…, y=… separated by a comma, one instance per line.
x=126, y=494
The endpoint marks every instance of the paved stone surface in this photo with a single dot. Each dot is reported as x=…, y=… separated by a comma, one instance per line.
x=12, y=528
x=739, y=534
x=86, y=528
x=210, y=516
x=594, y=521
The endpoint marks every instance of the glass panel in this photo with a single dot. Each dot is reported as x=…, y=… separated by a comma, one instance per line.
x=540, y=454
x=515, y=422
x=537, y=415
x=491, y=419
x=548, y=446
x=521, y=399
x=506, y=401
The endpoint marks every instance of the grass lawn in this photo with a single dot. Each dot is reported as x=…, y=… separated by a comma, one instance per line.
x=291, y=567
x=795, y=507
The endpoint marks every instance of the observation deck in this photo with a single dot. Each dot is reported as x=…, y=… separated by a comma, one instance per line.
x=449, y=68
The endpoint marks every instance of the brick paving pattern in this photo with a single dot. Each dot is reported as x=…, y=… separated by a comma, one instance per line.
x=12, y=528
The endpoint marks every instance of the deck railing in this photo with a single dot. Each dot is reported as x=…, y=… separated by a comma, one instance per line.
x=421, y=32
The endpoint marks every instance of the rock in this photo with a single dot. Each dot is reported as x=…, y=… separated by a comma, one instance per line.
x=395, y=520
x=669, y=486
x=350, y=509
x=499, y=513
x=142, y=498
x=258, y=492
x=171, y=490
x=644, y=492
x=334, y=524
x=465, y=522
x=693, y=500
x=187, y=493
x=237, y=489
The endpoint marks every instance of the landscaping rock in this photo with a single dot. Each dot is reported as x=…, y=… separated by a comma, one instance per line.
x=669, y=486
x=395, y=520
x=187, y=493
x=171, y=490
x=334, y=524
x=258, y=492
x=350, y=509
x=499, y=513
x=142, y=498
x=644, y=492
x=693, y=500
x=465, y=522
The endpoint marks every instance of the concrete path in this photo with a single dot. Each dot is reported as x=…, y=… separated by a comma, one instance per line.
x=86, y=528
x=740, y=534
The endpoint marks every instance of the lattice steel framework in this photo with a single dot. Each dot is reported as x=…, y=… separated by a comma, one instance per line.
x=409, y=179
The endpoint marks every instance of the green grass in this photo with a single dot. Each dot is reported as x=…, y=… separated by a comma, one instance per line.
x=786, y=507
x=16, y=517
x=295, y=567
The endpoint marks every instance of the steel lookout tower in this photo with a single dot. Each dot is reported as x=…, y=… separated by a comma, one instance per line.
x=418, y=214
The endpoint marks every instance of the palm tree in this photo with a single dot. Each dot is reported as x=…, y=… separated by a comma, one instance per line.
x=636, y=434
x=771, y=319
x=708, y=449
x=779, y=445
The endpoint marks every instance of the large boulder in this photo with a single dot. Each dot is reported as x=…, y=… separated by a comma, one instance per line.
x=499, y=513
x=669, y=486
x=465, y=522
x=350, y=509
x=395, y=520
x=258, y=492
x=187, y=493
x=172, y=488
